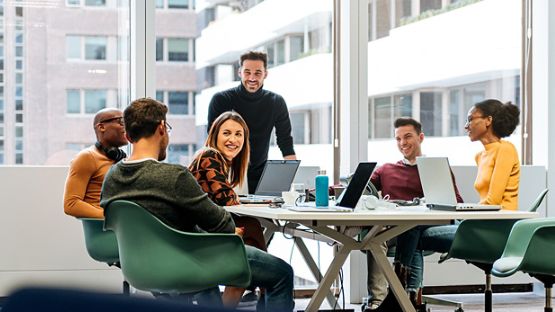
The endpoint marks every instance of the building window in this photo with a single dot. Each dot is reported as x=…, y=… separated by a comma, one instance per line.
x=95, y=48
x=178, y=4
x=73, y=101
x=159, y=49
x=431, y=116
x=95, y=100
x=73, y=47
x=179, y=154
x=73, y=2
x=178, y=102
x=86, y=101
x=296, y=47
x=178, y=50
x=299, y=127
x=95, y=2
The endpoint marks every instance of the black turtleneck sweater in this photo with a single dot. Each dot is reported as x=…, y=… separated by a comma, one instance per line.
x=262, y=111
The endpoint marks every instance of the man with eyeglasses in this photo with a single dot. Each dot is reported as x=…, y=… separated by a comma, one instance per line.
x=88, y=168
x=261, y=109
x=171, y=193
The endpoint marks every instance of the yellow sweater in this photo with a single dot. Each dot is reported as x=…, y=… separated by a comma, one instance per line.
x=498, y=175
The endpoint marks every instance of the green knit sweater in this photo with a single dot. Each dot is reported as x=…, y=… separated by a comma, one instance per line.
x=168, y=191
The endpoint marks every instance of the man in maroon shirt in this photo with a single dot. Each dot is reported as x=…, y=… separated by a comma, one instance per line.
x=401, y=181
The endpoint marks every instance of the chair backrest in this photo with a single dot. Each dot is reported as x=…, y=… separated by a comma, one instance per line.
x=101, y=245
x=536, y=204
x=156, y=257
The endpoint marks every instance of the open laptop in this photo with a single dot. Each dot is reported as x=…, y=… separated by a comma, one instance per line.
x=306, y=175
x=276, y=178
x=438, y=187
x=348, y=200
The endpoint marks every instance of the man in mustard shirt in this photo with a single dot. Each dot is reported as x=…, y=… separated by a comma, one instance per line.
x=88, y=168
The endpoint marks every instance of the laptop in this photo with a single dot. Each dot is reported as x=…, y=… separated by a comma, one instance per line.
x=276, y=178
x=348, y=200
x=306, y=175
x=438, y=187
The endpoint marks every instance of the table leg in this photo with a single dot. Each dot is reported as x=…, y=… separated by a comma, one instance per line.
x=312, y=266
x=328, y=279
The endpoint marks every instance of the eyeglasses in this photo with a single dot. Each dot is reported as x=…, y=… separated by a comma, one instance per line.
x=470, y=118
x=168, y=127
x=118, y=119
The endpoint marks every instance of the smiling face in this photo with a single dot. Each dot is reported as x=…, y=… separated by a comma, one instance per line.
x=231, y=138
x=477, y=124
x=252, y=74
x=408, y=142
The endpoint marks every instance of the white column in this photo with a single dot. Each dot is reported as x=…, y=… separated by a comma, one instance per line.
x=543, y=93
x=354, y=115
x=143, y=49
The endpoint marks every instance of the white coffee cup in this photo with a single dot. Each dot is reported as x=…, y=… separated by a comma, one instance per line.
x=289, y=198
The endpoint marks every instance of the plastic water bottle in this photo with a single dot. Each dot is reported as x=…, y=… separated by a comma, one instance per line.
x=322, y=183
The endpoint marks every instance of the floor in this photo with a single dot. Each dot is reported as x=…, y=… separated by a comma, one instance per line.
x=505, y=302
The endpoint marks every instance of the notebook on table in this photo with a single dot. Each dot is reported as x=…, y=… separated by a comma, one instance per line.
x=439, y=189
x=276, y=178
x=348, y=200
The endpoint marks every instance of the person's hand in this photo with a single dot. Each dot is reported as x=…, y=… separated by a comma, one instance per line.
x=239, y=231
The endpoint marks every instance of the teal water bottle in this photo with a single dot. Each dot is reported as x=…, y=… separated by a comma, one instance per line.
x=322, y=183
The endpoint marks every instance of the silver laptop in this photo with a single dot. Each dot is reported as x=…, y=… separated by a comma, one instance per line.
x=306, y=175
x=276, y=178
x=439, y=189
x=349, y=198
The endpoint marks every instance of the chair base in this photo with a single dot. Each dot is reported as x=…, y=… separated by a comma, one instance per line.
x=443, y=302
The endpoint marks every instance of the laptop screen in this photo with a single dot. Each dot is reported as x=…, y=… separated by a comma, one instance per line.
x=277, y=177
x=436, y=180
x=349, y=198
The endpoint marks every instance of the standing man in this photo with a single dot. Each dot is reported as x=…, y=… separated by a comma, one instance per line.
x=87, y=170
x=261, y=109
x=401, y=181
x=171, y=193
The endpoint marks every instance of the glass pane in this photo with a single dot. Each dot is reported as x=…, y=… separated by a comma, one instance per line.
x=73, y=101
x=178, y=102
x=73, y=47
x=431, y=113
x=160, y=96
x=159, y=49
x=428, y=50
x=73, y=2
x=178, y=49
x=159, y=4
x=95, y=48
x=178, y=154
x=178, y=4
x=95, y=2
x=220, y=44
x=95, y=100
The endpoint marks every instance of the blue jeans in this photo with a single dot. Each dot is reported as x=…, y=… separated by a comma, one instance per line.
x=268, y=272
x=273, y=274
x=424, y=237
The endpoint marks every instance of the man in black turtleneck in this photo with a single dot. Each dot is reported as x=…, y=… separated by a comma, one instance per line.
x=262, y=110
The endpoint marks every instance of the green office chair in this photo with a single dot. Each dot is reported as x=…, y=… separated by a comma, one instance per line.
x=157, y=258
x=481, y=242
x=528, y=250
x=102, y=245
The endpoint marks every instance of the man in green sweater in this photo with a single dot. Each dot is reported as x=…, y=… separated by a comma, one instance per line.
x=171, y=193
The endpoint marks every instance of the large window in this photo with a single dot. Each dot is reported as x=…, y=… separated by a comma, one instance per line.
x=63, y=81
x=430, y=60
x=91, y=48
x=174, y=49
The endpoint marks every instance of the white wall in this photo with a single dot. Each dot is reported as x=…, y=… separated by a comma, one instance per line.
x=40, y=244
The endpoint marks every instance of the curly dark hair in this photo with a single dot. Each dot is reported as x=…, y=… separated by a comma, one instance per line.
x=505, y=117
x=142, y=117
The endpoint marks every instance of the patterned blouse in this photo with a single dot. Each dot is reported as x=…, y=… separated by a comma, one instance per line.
x=211, y=175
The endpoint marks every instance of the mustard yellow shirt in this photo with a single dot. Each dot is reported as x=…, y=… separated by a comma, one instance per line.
x=498, y=175
x=84, y=183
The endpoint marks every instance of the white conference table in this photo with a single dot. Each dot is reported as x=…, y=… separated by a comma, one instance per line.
x=387, y=224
